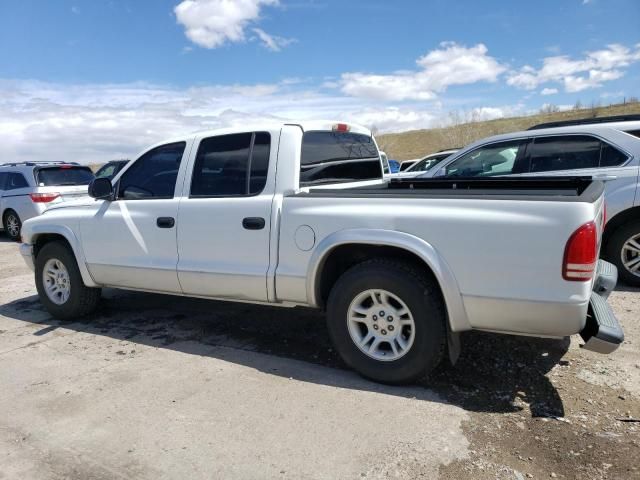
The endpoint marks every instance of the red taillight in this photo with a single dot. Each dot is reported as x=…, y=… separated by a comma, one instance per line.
x=43, y=197
x=581, y=254
x=341, y=127
x=66, y=167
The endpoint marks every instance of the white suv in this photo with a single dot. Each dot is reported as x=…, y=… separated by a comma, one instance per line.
x=606, y=148
x=27, y=189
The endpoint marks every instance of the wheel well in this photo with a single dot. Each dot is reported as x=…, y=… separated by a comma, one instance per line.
x=619, y=220
x=6, y=211
x=43, y=239
x=343, y=257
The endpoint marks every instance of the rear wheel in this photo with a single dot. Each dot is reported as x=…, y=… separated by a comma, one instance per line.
x=12, y=225
x=387, y=321
x=59, y=283
x=623, y=250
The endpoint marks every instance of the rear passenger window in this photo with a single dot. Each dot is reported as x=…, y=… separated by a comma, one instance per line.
x=569, y=152
x=15, y=180
x=231, y=165
x=153, y=175
x=573, y=152
x=3, y=177
x=611, y=156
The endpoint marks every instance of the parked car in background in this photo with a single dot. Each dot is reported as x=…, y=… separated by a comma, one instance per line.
x=111, y=169
x=427, y=163
x=299, y=214
x=394, y=166
x=603, y=148
x=27, y=189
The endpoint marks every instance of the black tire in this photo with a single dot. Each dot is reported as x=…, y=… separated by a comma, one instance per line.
x=82, y=300
x=419, y=293
x=613, y=251
x=8, y=220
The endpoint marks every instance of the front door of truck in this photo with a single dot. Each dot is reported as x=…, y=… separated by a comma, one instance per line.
x=224, y=222
x=131, y=241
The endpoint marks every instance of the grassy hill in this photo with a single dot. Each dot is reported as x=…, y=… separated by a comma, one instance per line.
x=418, y=143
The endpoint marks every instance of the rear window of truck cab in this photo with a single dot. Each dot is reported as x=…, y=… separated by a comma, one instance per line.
x=338, y=157
x=63, y=175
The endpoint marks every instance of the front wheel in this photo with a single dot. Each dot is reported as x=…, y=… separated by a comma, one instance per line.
x=59, y=283
x=623, y=250
x=387, y=322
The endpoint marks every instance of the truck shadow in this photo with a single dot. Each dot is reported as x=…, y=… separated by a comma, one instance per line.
x=495, y=373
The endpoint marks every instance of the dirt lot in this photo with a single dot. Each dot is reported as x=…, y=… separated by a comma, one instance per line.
x=163, y=387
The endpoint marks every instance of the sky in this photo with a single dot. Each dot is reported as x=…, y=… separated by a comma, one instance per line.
x=94, y=80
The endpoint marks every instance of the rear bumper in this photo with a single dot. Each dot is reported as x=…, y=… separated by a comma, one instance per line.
x=602, y=332
x=606, y=278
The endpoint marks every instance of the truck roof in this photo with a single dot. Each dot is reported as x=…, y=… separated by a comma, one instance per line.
x=307, y=125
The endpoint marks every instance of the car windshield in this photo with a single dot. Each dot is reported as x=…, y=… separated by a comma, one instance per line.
x=427, y=163
x=110, y=169
x=63, y=175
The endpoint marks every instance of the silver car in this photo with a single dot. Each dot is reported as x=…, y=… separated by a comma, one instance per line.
x=603, y=148
x=27, y=189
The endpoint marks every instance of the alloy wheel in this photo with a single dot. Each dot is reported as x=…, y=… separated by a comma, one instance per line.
x=381, y=325
x=56, y=281
x=630, y=255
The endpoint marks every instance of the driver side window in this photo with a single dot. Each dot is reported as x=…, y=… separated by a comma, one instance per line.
x=153, y=175
x=501, y=158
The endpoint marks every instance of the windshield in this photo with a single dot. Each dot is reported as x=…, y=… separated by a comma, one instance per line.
x=335, y=157
x=63, y=175
x=427, y=163
x=110, y=169
x=404, y=166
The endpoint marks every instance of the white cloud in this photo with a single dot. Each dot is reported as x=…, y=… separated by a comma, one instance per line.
x=212, y=23
x=451, y=64
x=591, y=71
x=97, y=122
x=595, y=79
x=273, y=42
x=549, y=91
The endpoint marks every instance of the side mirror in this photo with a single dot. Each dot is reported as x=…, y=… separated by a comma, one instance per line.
x=101, y=189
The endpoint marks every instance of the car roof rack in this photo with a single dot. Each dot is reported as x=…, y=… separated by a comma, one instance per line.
x=37, y=163
x=587, y=121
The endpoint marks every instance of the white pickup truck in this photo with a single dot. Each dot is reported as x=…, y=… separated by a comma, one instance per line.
x=298, y=215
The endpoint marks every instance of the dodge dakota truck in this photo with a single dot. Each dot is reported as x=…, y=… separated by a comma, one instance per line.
x=299, y=215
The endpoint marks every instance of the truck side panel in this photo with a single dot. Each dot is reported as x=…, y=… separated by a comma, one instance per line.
x=496, y=249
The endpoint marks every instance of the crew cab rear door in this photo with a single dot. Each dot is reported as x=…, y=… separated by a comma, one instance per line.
x=224, y=218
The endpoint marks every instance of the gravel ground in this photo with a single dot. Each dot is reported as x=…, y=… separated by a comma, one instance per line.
x=156, y=386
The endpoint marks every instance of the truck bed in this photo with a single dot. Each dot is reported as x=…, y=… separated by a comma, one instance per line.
x=564, y=189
